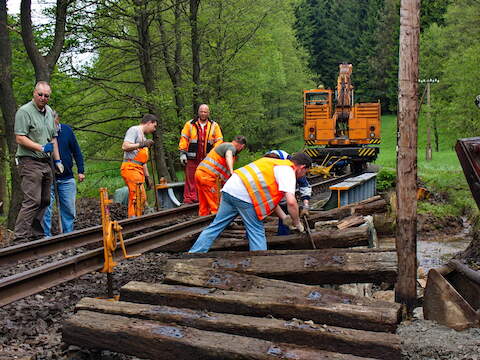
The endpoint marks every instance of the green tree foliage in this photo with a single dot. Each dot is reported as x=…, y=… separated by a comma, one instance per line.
x=451, y=54
x=357, y=32
x=433, y=12
x=251, y=70
x=364, y=33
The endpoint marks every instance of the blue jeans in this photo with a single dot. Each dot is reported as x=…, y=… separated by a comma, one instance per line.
x=230, y=208
x=67, y=192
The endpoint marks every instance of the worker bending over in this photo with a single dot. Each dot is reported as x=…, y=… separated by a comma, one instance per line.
x=134, y=168
x=199, y=136
x=303, y=187
x=214, y=171
x=253, y=192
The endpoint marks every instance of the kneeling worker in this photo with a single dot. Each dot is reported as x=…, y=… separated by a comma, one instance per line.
x=214, y=171
x=134, y=168
x=253, y=192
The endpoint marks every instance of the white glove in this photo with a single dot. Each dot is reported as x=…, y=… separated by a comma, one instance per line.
x=288, y=221
x=299, y=227
x=59, y=166
x=183, y=159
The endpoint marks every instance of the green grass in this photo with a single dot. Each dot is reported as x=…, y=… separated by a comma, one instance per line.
x=100, y=174
x=443, y=174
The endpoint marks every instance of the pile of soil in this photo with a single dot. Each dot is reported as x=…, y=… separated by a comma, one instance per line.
x=429, y=225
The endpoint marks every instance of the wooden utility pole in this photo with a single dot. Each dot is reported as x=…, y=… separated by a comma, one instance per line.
x=428, y=149
x=407, y=128
x=428, y=155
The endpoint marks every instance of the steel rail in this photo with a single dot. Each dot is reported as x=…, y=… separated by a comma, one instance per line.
x=47, y=246
x=173, y=238
x=322, y=185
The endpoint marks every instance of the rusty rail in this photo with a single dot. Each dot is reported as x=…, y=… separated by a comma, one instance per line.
x=93, y=235
x=172, y=238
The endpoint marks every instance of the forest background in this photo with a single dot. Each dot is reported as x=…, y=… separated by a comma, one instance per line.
x=248, y=59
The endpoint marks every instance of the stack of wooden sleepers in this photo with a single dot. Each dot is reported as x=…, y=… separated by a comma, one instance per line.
x=248, y=305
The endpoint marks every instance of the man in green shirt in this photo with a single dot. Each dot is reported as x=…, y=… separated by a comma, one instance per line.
x=35, y=134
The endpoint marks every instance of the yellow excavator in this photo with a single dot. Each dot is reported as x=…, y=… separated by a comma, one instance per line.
x=338, y=130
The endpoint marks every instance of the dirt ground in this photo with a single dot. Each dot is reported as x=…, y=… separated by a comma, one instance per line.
x=30, y=329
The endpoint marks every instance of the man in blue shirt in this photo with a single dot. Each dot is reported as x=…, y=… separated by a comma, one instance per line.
x=67, y=188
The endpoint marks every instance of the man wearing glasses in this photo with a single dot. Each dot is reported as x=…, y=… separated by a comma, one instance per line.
x=35, y=134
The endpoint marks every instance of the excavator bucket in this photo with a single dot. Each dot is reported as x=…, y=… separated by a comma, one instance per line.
x=468, y=152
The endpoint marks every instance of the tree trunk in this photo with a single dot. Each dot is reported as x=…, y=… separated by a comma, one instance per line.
x=173, y=65
x=43, y=65
x=406, y=235
x=144, y=53
x=194, y=5
x=8, y=105
x=435, y=134
x=3, y=169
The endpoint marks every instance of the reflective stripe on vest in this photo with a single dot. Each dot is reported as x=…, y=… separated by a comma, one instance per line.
x=259, y=180
x=134, y=161
x=193, y=138
x=141, y=158
x=216, y=164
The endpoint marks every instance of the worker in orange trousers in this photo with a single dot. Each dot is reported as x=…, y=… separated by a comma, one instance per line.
x=214, y=171
x=134, y=169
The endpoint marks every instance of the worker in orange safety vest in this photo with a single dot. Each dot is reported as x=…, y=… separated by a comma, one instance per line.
x=134, y=167
x=253, y=192
x=214, y=171
x=199, y=136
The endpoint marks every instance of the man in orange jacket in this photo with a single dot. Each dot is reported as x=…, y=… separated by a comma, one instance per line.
x=214, y=171
x=253, y=192
x=134, y=168
x=199, y=136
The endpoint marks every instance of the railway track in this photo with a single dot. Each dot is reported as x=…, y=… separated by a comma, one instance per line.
x=89, y=236
x=172, y=237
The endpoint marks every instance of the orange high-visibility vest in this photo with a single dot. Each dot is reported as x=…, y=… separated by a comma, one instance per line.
x=259, y=180
x=215, y=166
x=141, y=158
x=189, y=139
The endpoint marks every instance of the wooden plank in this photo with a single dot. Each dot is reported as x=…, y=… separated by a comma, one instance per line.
x=311, y=307
x=350, y=221
x=156, y=340
x=324, y=239
x=186, y=274
x=327, y=266
x=315, y=336
x=233, y=254
x=362, y=208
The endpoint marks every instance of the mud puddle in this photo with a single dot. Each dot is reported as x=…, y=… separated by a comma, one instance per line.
x=434, y=250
